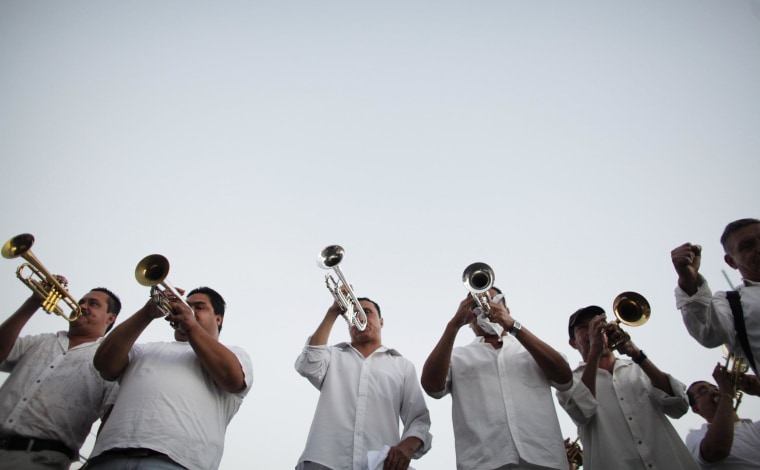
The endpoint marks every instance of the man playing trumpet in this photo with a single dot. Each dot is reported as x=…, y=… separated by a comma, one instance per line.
x=620, y=405
x=176, y=398
x=53, y=395
x=725, y=441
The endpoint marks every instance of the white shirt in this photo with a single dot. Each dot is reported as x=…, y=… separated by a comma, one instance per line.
x=626, y=423
x=502, y=408
x=168, y=403
x=52, y=392
x=745, y=451
x=360, y=403
x=709, y=320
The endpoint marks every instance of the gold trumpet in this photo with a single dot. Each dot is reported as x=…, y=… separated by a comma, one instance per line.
x=151, y=272
x=478, y=278
x=631, y=309
x=574, y=453
x=39, y=280
x=736, y=367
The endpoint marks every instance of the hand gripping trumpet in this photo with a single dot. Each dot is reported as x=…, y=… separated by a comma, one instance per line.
x=478, y=278
x=574, y=453
x=329, y=258
x=736, y=368
x=151, y=272
x=631, y=309
x=39, y=280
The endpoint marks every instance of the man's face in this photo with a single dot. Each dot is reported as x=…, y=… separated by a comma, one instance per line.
x=204, y=313
x=582, y=341
x=743, y=251
x=705, y=396
x=374, y=325
x=95, y=316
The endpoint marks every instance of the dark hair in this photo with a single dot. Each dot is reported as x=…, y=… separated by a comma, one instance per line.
x=217, y=301
x=112, y=302
x=689, y=395
x=733, y=227
x=504, y=298
x=377, y=307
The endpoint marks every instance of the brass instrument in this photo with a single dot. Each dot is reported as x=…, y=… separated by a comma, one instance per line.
x=151, y=272
x=736, y=367
x=39, y=280
x=330, y=258
x=574, y=453
x=631, y=309
x=478, y=278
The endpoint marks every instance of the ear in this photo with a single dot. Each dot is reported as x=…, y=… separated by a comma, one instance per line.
x=111, y=318
x=381, y=322
x=729, y=261
x=572, y=343
x=219, y=320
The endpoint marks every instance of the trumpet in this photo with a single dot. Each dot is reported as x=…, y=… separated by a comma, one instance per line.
x=736, y=368
x=631, y=309
x=39, y=280
x=478, y=278
x=574, y=453
x=330, y=258
x=151, y=272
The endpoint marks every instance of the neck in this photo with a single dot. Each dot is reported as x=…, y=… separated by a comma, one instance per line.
x=77, y=338
x=493, y=340
x=366, y=348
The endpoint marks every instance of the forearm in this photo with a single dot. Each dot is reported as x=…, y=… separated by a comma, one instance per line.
x=436, y=368
x=551, y=362
x=112, y=356
x=217, y=360
x=11, y=328
x=658, y=378
x=589, y=374
x=322, y=333
x=719, y=438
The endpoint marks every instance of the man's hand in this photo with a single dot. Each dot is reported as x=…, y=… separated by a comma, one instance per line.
x=724, y=378
x=500, y=314
x=464, y=314
x=686, y=260
x=629, y=349
x=400, y=456
x=750, y=384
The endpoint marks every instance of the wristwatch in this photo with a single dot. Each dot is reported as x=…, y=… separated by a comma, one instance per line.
x=516, y=327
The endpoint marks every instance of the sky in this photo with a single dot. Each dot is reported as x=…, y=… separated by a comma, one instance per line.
x=569, y=145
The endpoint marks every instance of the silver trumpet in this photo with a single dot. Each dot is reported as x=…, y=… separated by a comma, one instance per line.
x=737, y=368
x=330, y=258
x=151, y=272
x=478, y=278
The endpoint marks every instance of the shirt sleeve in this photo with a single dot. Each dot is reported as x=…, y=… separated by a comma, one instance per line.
x=675, y=405
x=19, y=349
x=312, y=363
x=245, y=363
x=414, y=412
x=693, y=442
x=707, y=317
x=578, y=402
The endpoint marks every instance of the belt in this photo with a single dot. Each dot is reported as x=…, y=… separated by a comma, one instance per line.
x=36, y=445
x=133, y=452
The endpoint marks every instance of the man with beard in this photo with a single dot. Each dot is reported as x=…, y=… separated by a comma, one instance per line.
x=730, y=318
x=176, y=398
x=53, y=394
x=620, y=405
x=365, y=389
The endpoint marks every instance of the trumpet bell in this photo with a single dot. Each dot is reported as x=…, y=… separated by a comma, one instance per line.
x=330, y=257
x=18, y=246
x=478, y=278
x=152, y=270
x=631, y=308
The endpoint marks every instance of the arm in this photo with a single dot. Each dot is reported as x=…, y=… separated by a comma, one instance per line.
x=554, y=366
x=400, y=455
x=597, y=343
x=686, y=261
x=436, y=368
x=658, y=378
x=717, y=443
x=219, y=362
x=11, y=328
x=322, y=333
x=112, y=356
x=416, y=438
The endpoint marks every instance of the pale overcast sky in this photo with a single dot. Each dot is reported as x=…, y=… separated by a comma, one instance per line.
x=570, y=145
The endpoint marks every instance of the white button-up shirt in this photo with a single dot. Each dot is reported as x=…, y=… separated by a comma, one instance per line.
x=626, y=422
x=502, y=408
x=745, y=451
x=360, y=403
x=709, y=320
x=53, y=392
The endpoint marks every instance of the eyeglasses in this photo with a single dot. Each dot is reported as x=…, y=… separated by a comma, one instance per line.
x=701, y=391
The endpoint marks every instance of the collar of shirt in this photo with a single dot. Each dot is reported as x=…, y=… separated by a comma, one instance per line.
x=391, y=351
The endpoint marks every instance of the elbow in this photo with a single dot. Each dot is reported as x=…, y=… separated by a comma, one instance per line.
x=715, y=454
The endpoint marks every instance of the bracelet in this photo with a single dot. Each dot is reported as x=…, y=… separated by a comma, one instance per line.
x=641, y=358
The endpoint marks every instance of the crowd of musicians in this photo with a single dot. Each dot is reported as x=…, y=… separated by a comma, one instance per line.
x=166, y=405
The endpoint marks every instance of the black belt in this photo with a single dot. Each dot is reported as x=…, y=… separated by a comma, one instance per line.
x=36, y=445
